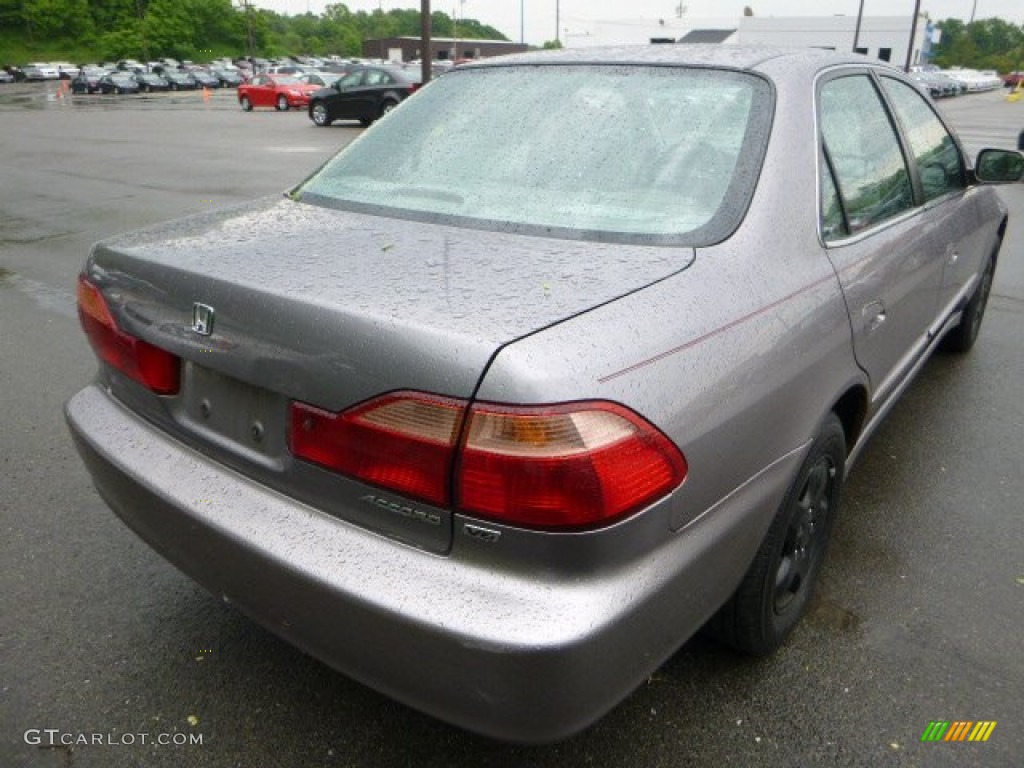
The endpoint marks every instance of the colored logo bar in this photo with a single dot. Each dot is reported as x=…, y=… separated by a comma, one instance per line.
x=958, y=730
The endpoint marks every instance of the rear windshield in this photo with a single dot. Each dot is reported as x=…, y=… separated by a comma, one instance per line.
x=618, y=153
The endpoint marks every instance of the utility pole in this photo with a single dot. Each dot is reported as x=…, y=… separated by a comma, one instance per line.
x=522, y=23
x=913, y=35
x=250, y=33
x=558, y=20
x=455, y=29
x=974, y=9
x=856, y=34
x=425, y=55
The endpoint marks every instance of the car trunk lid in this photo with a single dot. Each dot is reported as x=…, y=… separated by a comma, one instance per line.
x=282, y=301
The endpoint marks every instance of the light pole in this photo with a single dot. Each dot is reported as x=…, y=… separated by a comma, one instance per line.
x=913, y=35
x=856, y=34
x=522, y=22
x=455, y=29
x=558, y=19
x=425, y=54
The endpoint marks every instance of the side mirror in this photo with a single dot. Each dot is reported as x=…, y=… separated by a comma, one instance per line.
x=999, y=166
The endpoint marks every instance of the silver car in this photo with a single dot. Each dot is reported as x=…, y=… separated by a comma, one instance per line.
x=563, y=360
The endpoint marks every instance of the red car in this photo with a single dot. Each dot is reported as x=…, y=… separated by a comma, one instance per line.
x=279, y=91
x=1014, y=80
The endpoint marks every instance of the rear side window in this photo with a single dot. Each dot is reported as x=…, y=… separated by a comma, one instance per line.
x=939, y=162
x=351, y=81
x=864, y=150
x=376, y=77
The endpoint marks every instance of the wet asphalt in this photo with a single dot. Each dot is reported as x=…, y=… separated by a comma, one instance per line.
x=918, y=617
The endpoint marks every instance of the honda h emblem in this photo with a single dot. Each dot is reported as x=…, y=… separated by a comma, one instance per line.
x=202, y=319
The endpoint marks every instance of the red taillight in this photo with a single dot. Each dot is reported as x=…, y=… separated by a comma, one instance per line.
x=564, y=466
x=404, y=442
x=154, y=368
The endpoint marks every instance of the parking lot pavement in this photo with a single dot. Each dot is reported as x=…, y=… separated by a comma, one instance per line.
x=918, y=618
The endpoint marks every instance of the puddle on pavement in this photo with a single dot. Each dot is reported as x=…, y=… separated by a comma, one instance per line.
x=22, y=96
x=826, y=614
x=57, y=300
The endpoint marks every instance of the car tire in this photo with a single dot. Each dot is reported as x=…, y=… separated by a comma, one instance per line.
x=245, y=103
x=282, y=104
x=961, y=338
x=319, y=115
x=778, y=586
x=387, y=106
x=365, y=122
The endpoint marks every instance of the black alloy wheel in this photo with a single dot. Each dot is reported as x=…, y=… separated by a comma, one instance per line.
x=318, y=113
x=779, y=583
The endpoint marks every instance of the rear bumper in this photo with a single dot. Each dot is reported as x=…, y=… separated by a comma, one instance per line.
x=523, y=657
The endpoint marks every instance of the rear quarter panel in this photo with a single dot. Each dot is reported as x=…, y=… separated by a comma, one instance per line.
x=738, y=358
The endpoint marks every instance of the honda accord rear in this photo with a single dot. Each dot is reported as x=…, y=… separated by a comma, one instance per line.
x=503, y=403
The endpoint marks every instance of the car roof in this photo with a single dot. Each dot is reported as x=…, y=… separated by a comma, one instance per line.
x=749, y=57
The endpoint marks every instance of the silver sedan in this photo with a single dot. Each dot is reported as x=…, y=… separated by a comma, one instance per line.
x=563, y=360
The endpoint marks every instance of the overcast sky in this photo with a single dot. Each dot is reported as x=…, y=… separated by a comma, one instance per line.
x=539, y=15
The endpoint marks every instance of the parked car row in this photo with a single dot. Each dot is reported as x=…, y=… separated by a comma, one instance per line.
x=975, y=80
x=938, y=84
x=40, y=70
x=101, y=80
x=942, y=83
x=214, y=74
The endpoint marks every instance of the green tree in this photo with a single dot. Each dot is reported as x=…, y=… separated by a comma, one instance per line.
x=47, y=19
x=168, y=29
x=983, y=44
x=194, y=28
x=126, y=42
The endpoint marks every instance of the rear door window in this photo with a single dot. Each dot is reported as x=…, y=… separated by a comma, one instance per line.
x=865, y=152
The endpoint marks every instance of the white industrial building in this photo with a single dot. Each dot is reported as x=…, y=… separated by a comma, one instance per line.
x=881, y=37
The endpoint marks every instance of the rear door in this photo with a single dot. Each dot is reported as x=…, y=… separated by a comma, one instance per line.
x=344, y=105
x=262, y=91
x=364, y=99
x=873, y=230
